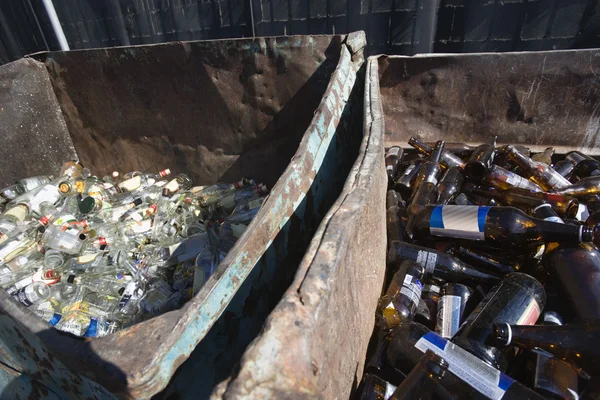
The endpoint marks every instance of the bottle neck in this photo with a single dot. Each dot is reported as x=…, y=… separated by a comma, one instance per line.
x=549, y=231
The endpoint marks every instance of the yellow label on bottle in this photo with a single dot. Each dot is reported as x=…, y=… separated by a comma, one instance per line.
x=80, y=186
x=87, y=258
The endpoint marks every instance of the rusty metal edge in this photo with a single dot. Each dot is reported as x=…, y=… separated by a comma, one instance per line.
x=286, y=196
x=270, y=368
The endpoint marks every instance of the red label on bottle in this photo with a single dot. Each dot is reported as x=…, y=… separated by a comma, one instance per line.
x=530, y=315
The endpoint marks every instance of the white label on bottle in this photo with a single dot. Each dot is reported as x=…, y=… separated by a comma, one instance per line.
x=482, y=377
x=74, y=327
x=173, y=185
x=530, y=315
x=142, y=227
x=514, y=179
x=127, y=293
x=19, y=212
x=411, y=288
x=461, y=222
x=448, y=316
x=136, y=216
x=131, y=184
x=556, y=180
x=49, y=193
x=9, y=249
x=18, y=285
x=427, y=260
x=27, y=296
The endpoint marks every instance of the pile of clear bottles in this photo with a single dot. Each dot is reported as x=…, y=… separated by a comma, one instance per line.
x=93, y=255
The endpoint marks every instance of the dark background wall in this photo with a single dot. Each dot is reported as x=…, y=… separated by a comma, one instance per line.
x=392, y=26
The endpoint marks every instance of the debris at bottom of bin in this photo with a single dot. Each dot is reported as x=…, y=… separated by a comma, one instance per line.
x=93, y=255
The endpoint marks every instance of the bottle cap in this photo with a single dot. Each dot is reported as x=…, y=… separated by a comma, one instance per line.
x=165, y=172
x=87, y=204
x=64, y=187
x=137, y=202
x=44, y=220
x=71, y=278
x=82, y=236
x=166, y=192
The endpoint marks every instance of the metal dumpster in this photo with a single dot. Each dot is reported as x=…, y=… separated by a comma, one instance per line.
x=276, y=109
x=313, y=344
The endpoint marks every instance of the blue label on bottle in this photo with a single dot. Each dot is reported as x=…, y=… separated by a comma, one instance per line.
x=461, y=222
x=436, y=340
x=92, y=330
x=482, y=377
x=54, y=320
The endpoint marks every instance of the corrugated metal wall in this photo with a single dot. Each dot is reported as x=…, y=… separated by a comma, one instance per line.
x=392, y=26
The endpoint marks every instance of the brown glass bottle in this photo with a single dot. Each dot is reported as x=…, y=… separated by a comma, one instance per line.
x=517, y=299
x=468, y=376
x=431, y=168
x=487, y=262
x=404, y=180
x=447, y=159
x=577, y=273
x=564, y=167
x=542, y=174
x=583, y=188
x=501, y=178
x=426, y=193
x=584, y=165
x=503, y=227
x=427, y=310
x=575, y=343
x=395, y=224
x=400, y=301
x=437, y=264
x=373, y=387
x=457, y=148
x=450, y=184
x=546, y=374
x=423, y=380
x=527, y=200
x=392, y=157
x=481, y=160
x=451, y=307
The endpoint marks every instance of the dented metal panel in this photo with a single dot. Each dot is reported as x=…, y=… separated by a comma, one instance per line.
x=260, y=95
x=314, y=343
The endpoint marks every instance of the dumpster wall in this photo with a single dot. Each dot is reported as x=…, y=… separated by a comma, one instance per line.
x=139, y=361
x=33, y=133
x=314, y=343
x=217, y=110
x=538, y=99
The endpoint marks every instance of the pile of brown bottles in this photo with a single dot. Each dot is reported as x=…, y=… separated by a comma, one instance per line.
x=493, y=275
